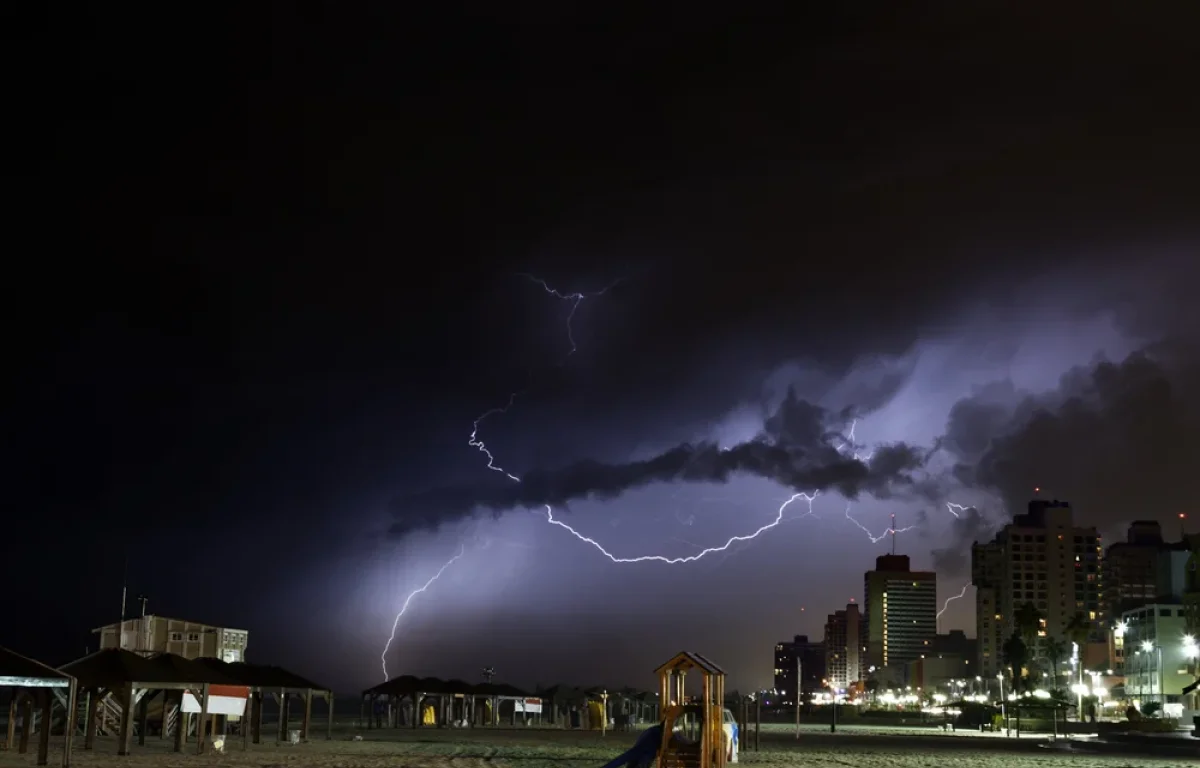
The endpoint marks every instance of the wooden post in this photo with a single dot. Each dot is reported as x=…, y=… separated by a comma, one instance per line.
x=285, y=712
x=12, y=721
x=26, y=722
x=757, y=720
x=181, y=722
x=248, y=720
x=307, y=716
x=258, y=715
x=125, y=730
x=143, y=715
x=329, y=720
x=47, y=702
x=202, y=720
x=71, y=722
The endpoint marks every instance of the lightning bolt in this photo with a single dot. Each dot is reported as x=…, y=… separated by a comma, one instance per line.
x=403, y=608
x=951, y=600
x=575, y=299
x=956, y=508
x=808, y=497
x=891, y=530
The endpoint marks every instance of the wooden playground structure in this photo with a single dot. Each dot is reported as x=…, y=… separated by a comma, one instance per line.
x=693, y=734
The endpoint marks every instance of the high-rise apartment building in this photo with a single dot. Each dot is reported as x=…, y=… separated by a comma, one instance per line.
x=1131, y=568
x=1042, y=558
x=843, y=647
x=799, y=665
x=901, y=612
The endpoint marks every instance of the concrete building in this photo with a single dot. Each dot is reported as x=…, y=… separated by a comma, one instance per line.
x=901, y=612
x=189, y=639
x=1158, y=652
x=1042, y=558
x=843, y=648
x=1143, y=569
x=1191, y=613
x=799, y=659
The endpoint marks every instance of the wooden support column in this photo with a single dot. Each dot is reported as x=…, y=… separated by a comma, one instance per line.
x=46, y=700
x=125, y=730
x=307, y=717
x=143, y=715
x=258, y=715
x=26, y=722
x=72, y=721
x=12, y=722
x=247, y=720
x=202, y=720
x=181, y=722
x=329, y=719
x=284, y=716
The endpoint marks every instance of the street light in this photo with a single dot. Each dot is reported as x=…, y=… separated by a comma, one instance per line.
x=1148, y=647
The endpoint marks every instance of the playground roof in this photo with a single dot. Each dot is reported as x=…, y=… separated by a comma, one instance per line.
x=24, y=672
x=688, y=660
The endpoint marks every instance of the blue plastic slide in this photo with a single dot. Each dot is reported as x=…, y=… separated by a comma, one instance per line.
x=643, y=752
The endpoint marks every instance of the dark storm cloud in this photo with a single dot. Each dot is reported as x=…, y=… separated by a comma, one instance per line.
x=1117, y=440
x=970, y=525
x=802, y=446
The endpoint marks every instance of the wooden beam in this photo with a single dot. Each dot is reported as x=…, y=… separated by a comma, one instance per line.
x=180, y=721
x=12, y=722
x=125, y=732
x=202, y=720
x=307, y=716
x=26, y=722
x=72, y=720
x=47, y=706
x=329, y=720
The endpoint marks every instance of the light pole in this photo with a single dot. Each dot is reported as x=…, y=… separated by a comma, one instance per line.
x=1148, y=646
x=1191, y=652
x=1003, y=710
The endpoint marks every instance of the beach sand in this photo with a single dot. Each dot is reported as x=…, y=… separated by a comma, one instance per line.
x=535, y=748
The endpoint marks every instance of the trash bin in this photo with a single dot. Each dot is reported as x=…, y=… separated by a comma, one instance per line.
x=293, y=737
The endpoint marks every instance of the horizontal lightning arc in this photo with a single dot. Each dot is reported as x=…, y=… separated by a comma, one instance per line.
x=689, y=558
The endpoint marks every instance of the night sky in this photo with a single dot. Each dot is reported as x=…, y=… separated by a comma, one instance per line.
x=266, y=268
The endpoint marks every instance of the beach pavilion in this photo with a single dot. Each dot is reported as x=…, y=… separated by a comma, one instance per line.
x=35, y=683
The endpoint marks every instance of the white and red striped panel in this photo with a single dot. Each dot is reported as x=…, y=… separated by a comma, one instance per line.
x=222, y=700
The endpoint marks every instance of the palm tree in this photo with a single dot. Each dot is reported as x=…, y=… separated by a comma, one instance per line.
x=1056, y=651
x=1029, y=621
x=1078, y=630
x=1016, y=656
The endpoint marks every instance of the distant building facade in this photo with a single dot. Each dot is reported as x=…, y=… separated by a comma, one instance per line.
x=189, y=639
x=901, y=612
x=1041, y=558
x=799, y=665
x=843, y=648
x=1158, y=655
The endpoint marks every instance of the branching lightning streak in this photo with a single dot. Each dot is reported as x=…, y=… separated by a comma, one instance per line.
x=956, y=508
x=462, y=550
x=876, y=539
x=951, y=600
x=689, y=558
x=576, y=299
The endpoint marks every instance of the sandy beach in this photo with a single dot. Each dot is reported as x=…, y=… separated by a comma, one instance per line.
x=574, y=749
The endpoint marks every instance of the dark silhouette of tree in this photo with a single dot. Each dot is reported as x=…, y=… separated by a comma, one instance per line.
x=1016, y=656
x=1056, y=650
x=1029, y=621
